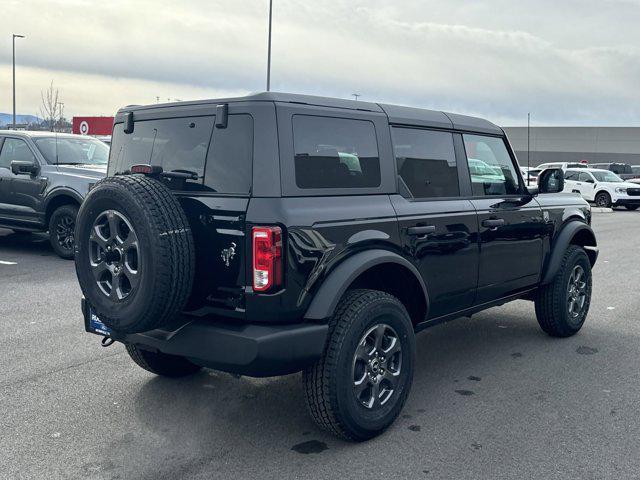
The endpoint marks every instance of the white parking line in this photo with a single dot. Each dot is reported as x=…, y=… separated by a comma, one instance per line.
x=2, y=262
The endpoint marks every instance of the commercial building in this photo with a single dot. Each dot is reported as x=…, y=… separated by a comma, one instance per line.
x=92, y=125
x=574, y=144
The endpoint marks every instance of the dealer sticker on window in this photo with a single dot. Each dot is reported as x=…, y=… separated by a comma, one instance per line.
x=96, y=326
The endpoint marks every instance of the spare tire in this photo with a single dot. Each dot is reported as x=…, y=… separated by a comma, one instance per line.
x=134, y=253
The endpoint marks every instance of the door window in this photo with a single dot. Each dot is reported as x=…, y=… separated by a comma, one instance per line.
x=572, y=176
x=426, y=162
x=585, y=177
x=15, y=149
x=490, y=165
x=335, y=153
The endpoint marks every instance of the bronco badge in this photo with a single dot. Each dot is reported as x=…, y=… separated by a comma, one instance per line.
x=228, y=254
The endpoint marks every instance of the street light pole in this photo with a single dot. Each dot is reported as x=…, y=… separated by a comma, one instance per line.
x=14, y=76
x=269, y=48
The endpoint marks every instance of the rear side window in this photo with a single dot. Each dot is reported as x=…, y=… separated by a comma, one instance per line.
x=426, y=162
x=172, y=143
x=335, y=153
x=230, y=159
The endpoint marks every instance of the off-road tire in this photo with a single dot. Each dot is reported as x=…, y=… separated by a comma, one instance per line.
x=65, y=213
x=603, y=200
x=165, y=250
x=551, y=300
x=162, y=363
x=631, y=207
x=328, y=384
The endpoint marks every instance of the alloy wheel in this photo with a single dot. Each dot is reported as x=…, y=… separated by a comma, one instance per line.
x=576, y=291
x=114, y=255
x=377, y=363
x=65, y=232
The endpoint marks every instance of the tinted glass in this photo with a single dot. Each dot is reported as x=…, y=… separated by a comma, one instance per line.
x=571, y=175
x=230, y=157
x=335, y=153
x=15, y=149
x=426, y=162
x=73, y=151
x=492, y=170
x=603, y=176
x=173, y=144
x=584, y=177
x=635, y=168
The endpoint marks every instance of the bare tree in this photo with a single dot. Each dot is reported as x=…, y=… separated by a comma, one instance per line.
x=52, y=109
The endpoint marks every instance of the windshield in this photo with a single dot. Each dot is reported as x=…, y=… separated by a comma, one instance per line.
x=73, y=151
x=605, y=176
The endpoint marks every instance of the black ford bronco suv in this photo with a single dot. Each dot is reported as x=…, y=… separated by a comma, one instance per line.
x=278, y=233
x=43, y=178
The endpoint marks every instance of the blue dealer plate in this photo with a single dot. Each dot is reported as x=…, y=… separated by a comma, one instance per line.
x=96, y=326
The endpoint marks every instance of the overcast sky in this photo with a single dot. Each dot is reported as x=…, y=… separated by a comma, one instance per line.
x=568, y=62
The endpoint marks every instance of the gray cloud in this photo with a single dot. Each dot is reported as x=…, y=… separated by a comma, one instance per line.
x=572, y=62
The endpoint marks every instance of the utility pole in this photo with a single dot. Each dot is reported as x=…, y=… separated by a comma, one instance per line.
x=356, y=95
x=528, y=146
x=14, y=77
x=269, y=48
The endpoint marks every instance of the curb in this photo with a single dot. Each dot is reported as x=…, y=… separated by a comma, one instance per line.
x=601, y=210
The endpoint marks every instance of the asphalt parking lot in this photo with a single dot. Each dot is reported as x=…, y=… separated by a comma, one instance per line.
x=493, y=397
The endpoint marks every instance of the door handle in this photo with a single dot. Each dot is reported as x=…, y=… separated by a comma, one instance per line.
x=493, y=223
x=421, y=230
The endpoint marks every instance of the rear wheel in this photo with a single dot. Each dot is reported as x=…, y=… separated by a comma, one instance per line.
x=603, y=200
x=631, y=207
x=62, y=230
x=162, y=363
x=562, y=305
x=359, y=386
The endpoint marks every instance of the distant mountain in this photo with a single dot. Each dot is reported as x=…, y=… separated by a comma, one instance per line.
x=7, y=118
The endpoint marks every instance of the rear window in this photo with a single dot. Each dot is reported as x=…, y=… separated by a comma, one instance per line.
x=221, y=158
x=172, y=143
x=335, y=153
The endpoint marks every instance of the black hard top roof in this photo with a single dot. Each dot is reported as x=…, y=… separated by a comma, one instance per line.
x=397, y=114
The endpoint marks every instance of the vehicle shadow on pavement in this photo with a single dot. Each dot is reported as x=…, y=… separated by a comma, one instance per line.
x=207, y=416
x=27, y=243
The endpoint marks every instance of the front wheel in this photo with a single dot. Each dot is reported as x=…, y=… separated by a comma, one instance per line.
x=603, y=200
x=62, y=230
x=359, y=386
x=563, y=304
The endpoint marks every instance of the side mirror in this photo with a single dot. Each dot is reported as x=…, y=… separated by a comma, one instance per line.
x=24, y=167
x=589, y=180
x=551, y=180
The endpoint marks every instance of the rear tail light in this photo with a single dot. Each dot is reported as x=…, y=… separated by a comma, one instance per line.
x=267, y=258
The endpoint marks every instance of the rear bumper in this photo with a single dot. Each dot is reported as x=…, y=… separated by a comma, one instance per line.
x=244, y=349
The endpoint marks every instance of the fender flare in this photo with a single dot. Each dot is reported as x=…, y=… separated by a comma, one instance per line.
x=62, y=191
x=562, y=242
x=336, y=283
